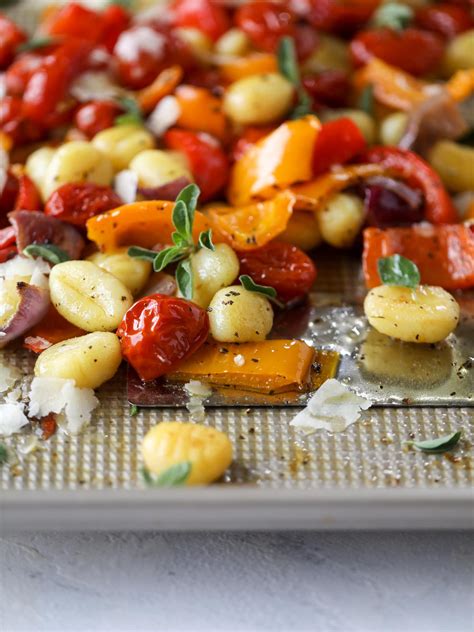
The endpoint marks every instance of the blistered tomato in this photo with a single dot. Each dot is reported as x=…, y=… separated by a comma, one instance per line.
x=76, y=20
x=159, y=331
x=338, y=142
x=282, y=266
x=447, y=20
x=329, y=88
x=77, y=202
x=96, y=116
x=205, y=15
x=11, y=36
x=16, y=124
x=341, y=16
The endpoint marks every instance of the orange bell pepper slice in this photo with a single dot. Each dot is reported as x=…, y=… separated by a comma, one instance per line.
x=254, y=64
x=461, y=84
x=250, y=227
x=162, y=86
x=312, y=195
x=271, y=366
x=277, y=161
x=392, y=86
x=201, y=111
x=443, y=253
x=139, y=224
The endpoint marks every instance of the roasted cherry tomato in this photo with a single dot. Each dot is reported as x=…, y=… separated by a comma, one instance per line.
x=396, y=48
x=76, y=20
x=282, y=266
x=204, y=15
x=447, y=20
x=11, y=36
x=385, y=208
x=418, y=174
x=8, y=253
x=159, y=331
x=76, y=202
x=341, y=16
x=338, y=142
x=96, y=116
x=329, y=88
x=208, y=161
x=8, y=197
x=28, y=198
x=266, y=23
x=20, y=71
x=115, y=19
x=15, y=123
x=7, y=237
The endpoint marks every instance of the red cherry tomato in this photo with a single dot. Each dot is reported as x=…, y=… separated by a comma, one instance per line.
x=115, y=19
x=397, y=49
x=28, y=198
x=95, y=116
x=282, y=266
x=159, y=331
x=249, y=137
x=341, y=16
x=7, y=201
x=8, y=253
x=76, y=202
x=338, y=142
x=16, y=124
x=20, y=71
x=209, y=163
x=7, y=237
x=447, y=20
x=329, y=88
x=205, y=15
x=266, y=23
x=11, y=36
x=75, y=20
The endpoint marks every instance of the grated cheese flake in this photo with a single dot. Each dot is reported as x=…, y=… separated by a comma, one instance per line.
x=12, y=418
x=9, y=376
x=164, y=116
x=126, y=185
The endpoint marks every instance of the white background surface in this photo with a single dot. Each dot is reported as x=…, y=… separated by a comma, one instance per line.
x=247, y=582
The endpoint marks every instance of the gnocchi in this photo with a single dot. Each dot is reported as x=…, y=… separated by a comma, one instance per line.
x=199, y=43
x=132, y=272
x=122, y=143
x=212, y=270
x=76, y=161
x=422, y=314
x=455, y=165
x=459, y=53
x=393, y=127
x=155, y=167
x=258, y=99
x=330, y=54
x=233, y=43
x=89, y=360
x=238, y=315
x=364, y=122
x=37, y=165
x=341, y=220
x=88, y=296
x=208, y=450
x=302, y=230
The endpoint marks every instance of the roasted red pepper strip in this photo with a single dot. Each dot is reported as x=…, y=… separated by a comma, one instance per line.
x=444, y=254
x=28, y=198
x=7, y=237
x=338, y=142
x=418, y=174
x=7, y=253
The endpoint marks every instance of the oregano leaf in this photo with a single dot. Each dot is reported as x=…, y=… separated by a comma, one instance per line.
x=49, y=252
x=289, y=68
x=167, y=256
x=183, y=221
x=205, y=240
x=249, y=284
x=133, y=114
x=35, y=43
x=184, y=279
x=133, y=410
x=438, y=444
x=3, y=454
x=398, y=270
x=393, y=15
x=366, y=99
x=175, y=475
x=141, y=253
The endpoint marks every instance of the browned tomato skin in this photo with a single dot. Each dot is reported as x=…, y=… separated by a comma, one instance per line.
x=159, y=331
x=447, y=20
x=96, y=116
x=282, y=266
x=77, y=202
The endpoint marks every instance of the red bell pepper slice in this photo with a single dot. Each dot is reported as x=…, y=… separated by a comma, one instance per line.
x=338, y=142
x=444, y=254
x=418, y=174
x=28, y=198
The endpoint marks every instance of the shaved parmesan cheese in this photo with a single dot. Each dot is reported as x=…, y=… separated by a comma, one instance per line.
x=164, y=116
x=125, y=185
x=197, y=389
x=333, y=407
x=197, y=392
x=9, y=375
x=23, y=267
x=140, y=39
x=12, y=419
x=239, y=360
x=29, y=445
x=73, y=405
x=95, y=85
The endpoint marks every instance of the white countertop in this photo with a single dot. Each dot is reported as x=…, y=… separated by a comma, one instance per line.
x=247, y=582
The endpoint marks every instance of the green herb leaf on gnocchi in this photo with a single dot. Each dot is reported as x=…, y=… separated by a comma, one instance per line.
x=205, y=240
x=175, y=475
x=49, y=252
x=398, y=270
x=249, y=284
x=3, y=454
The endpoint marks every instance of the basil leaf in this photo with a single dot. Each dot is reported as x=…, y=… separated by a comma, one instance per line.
x=288, y=67
x=183, y=221
x=393, y=16
x=133, y=410
x=141, y=253
x=49, y=252
x=3, y=454
x=397, y=270
x=174, y=475
x=249, y=284
x=133, y=113
x=35, y=43
x=167, y=256
x=184, y=279
x=366, y=99
x=205, y=240
x=438, y=445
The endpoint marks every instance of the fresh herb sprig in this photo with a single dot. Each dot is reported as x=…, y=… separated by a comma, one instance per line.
x=437, y=445
x=393, y=15
x=183, y=243
x=265, y=290
x=3, y=454
x=398, y=270
x=132, y=113
x=175, y=475
x=35, y=43
x=49, y=252
x=366, y=101
x=288, y=67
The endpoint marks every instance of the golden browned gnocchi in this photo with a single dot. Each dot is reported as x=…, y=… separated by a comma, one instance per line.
x=37, y=165
x=238, y=315
x=421, y=314
x=302, y=230
x=88, y=296
x=455, y=164
x=233, y=43
x=208, y=450
x=212, y=270
x=122, y=143
x=89, y=360
x=155, y=167
x=341, y=219
x=134, y=273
